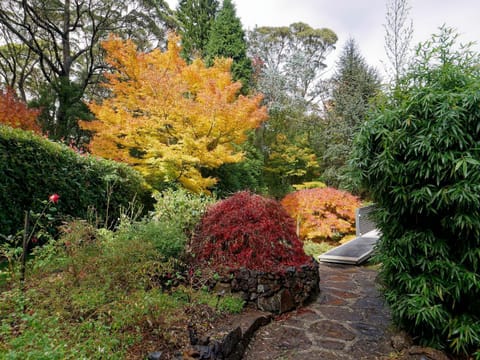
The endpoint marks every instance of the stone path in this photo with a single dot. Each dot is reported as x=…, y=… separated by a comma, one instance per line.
x=347, y=321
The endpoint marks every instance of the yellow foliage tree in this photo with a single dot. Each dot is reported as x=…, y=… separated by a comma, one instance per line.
x=291, y=160
x=168, y=118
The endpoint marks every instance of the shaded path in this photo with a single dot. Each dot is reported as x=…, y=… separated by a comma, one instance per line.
x=347, y=321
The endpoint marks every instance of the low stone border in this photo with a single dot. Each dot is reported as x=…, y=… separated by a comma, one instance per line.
x=224, y=343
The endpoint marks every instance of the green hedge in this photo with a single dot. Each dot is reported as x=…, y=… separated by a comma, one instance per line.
x=419, y=156
x=32, y=168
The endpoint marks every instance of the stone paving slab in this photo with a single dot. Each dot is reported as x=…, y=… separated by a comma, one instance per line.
x=354, y=252
x=347, y=321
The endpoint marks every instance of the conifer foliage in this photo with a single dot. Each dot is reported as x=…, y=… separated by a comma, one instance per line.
x=227, y=39
x=195, y=19
x=354, y=85
x=250, y=231
x=169, y=119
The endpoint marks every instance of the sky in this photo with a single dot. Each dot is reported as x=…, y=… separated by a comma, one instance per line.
x=362, y=20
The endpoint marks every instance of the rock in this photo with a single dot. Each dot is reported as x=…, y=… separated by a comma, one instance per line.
x=192, y=334
x=245, y=296
x=401, y=341
x=252, y=323
x=290, y=270
x=208, y=352
x=286, y=301
x=261, y=288
x=279, y=303
x=276, y=292
x=427, y=353
x=222, y=288
x=270, y=304
x=252, y=282
x=231, y=341
x=204, y=340
x=156, y=355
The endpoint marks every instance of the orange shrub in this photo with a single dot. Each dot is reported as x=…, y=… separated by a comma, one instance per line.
x=322, y=213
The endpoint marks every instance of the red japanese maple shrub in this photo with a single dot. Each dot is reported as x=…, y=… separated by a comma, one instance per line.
x=322, y=213
x=248, y=231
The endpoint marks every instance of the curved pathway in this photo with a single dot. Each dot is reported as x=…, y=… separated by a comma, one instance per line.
x=347, y=321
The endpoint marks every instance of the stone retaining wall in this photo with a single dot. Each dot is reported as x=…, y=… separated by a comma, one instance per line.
x=277, y=292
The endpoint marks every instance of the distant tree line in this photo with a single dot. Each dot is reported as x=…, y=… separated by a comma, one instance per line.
x=53, y=59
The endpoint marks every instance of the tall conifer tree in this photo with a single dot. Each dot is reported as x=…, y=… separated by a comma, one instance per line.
x=227, y=39
x=195, y=19
x=354, y=84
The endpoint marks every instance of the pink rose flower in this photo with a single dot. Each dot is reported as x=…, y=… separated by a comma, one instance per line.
x=54, y=198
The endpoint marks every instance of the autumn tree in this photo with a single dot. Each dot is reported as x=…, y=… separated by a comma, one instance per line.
x=63, y=37
x=168, y=118
x=290, y=161
x=15, y=113
x=195, y=20
x=227, y=39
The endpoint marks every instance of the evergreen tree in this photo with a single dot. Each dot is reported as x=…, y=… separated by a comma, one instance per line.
x=195, y=19
x=354, y=84
x=227, y=39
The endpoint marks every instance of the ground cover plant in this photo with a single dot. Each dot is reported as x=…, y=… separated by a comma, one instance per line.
x=419, y=157
x=316, y=249
x=103, y=294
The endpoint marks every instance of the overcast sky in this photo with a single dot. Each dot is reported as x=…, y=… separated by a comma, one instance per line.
x=362, y=19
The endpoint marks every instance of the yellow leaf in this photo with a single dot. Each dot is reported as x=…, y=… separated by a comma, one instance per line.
x=168, y=118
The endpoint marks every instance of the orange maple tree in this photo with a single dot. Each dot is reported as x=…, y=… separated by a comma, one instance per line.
x=15, y=113
x=322, y=213
x=168, y=118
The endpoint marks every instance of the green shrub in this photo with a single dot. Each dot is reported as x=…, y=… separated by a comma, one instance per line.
x=181, y=208
x=309, y=185
x=231, y=304
x=244, y=175
x=167, y=237
x=316, y=248
x=94, y=294
x=32, y=168
x=419, y=157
